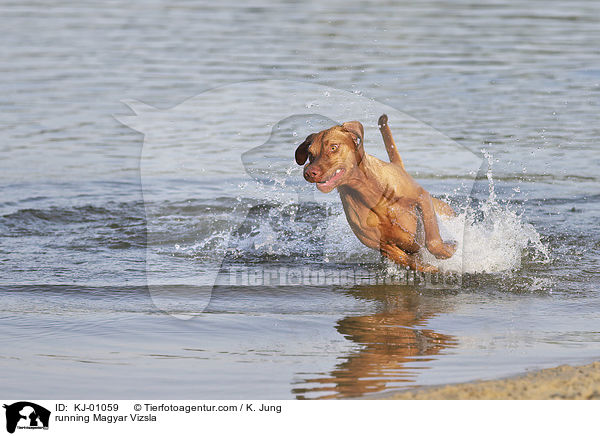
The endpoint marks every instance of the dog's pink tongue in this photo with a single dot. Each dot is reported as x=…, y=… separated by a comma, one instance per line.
x=323, y=186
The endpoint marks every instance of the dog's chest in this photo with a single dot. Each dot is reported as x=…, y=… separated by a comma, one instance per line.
x=386, y=221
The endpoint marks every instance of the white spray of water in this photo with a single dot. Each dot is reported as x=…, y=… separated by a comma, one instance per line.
x=491, y=239
x=493, y=243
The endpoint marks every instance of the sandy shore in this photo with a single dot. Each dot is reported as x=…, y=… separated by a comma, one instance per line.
x=561, y=383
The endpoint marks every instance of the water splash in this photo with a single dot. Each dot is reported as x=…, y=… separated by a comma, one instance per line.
x=491, y=237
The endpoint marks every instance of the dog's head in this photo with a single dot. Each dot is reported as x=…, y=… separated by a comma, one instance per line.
x=332, y=154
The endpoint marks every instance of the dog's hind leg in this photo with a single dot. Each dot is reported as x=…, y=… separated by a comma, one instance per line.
x=433, y=240
x=388, y=140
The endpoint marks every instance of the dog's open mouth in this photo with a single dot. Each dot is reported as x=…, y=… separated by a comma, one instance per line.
x=329, y=184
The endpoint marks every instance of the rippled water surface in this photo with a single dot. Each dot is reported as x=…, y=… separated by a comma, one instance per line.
x=117, y=217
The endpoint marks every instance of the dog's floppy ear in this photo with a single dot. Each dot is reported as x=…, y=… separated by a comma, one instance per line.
x=356, y=129
x=302, y=150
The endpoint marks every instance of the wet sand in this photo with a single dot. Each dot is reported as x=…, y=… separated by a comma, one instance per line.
x=564, y=382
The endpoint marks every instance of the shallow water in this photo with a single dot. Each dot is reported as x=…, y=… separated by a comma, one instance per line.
x=110, y=242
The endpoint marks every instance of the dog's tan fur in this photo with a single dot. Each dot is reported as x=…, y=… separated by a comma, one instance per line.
x=386, y=208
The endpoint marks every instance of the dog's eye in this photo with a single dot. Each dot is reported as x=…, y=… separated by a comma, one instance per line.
x=310, y=157
x=333, y=147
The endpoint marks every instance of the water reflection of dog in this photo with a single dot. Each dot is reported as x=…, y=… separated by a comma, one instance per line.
x=389, y=339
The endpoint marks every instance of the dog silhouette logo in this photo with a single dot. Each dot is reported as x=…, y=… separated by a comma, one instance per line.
x=26, y=415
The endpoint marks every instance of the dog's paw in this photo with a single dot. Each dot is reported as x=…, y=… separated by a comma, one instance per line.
x=441, y=250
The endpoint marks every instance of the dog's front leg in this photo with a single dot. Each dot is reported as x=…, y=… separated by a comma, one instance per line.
x=403, y=258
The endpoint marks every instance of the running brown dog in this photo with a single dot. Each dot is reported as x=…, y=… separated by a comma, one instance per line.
x=386, y=208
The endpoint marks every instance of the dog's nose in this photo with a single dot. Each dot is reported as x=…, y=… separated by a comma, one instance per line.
x=311, y=173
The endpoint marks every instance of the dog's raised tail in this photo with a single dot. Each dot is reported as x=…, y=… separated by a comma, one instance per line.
x=388, y=140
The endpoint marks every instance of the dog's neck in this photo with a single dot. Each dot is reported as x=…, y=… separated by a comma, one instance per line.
x=362, y=184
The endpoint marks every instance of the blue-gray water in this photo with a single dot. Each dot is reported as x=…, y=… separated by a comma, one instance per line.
x=79, y=205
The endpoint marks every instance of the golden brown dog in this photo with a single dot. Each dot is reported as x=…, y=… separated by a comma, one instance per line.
x=386, y=208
